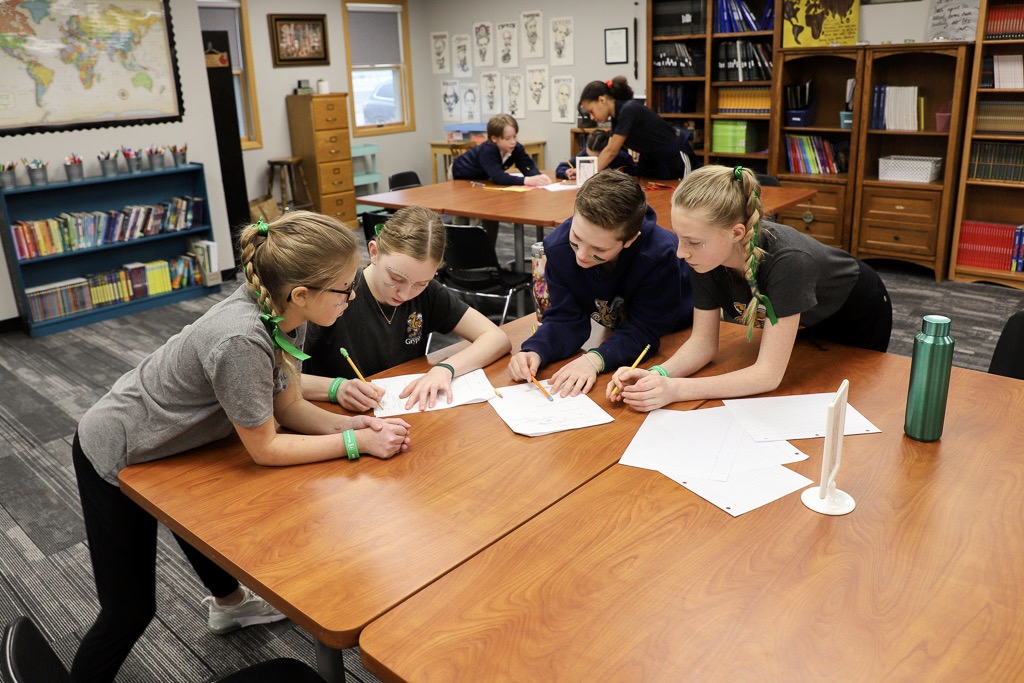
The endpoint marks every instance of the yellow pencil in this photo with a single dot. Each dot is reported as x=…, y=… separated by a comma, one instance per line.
x=498, y=393
x=344, y=353
x=541, y=387
x=639, y=358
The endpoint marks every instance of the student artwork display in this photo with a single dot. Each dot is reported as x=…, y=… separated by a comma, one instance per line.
x=538, y=98
x=531, y=42
x=812, y=23
x=563, y=91
x=514, y=97
x=507, y=44
x=462, y=64
x=483, y=42
x=450, y=110
x=561, y=41
x=440, y=55
x=470, y=102
x=490, y=94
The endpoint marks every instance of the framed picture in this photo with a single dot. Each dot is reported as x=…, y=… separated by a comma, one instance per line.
x=616, y=45
x=298, y=39
x=119, y=68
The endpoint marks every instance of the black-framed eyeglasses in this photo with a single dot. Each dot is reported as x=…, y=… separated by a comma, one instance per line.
x=347, y=293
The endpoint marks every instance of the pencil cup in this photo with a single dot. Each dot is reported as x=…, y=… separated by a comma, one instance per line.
x=942, y=121
x=38, y=176
x=8, y=180
x=108, y=167
x=156, y=162
x=134, y=164
x=74, y=172
x=180, y=158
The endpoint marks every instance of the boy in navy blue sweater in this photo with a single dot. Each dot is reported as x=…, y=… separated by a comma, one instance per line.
x=596, y=141
x=613, y=264
x=489, y=161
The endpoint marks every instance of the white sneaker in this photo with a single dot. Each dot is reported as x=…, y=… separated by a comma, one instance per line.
x=251, y=611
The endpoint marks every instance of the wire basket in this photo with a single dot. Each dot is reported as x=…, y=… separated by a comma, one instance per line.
x=909, y=169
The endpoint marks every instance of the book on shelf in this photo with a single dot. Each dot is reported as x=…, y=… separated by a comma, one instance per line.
x=1008, y=71
x=814, y=154
x=744, y=60
x=1005, y=21
x=896, y=107
x=678, y=18
x=677, y=60
x=745, y=100
x=1002, y=161
x=733, y=137
x=798, y=96
x=996, y=246
x=675, y=98
x=736, y=16
x=205, y=253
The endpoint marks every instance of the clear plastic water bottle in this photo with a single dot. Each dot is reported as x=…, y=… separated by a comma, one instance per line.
x=929, y=379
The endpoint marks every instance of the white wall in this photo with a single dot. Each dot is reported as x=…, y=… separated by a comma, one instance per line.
x=895, y=22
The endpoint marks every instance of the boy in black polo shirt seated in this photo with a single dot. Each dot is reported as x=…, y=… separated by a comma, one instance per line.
x=490, y=160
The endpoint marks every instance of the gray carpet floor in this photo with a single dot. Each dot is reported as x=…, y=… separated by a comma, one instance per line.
x=47, y=384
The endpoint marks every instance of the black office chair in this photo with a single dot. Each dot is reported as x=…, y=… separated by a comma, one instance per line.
x=403, y=180
x=766, y=179
x=471, y=267
x=1008, y=358
x=26, y=657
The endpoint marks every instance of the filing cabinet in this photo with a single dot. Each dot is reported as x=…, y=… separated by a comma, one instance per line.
x=318, y=125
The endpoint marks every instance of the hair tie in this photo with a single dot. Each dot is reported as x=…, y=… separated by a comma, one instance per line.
x=737, y=174
x=609, y=84
x=262, y=229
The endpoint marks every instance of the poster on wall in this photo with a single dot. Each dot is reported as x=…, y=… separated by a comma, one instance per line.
x=70, y=66
x=561, y=41
x=513, y=96
x=490, y=94
x=953, y=20
x=531, y=42
x=451, y=112
x=563, y=91
x=440, y=55
x=537, y=84
x=462, y=64
x=483, y=42
x=470, y=102
x=813, y=23
x=507, y=44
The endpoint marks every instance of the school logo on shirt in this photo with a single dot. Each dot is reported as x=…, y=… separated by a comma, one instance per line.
x=610, y=315
x=741, y=308
x=413, y=329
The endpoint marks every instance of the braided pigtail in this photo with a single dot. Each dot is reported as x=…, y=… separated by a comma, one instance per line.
x=750, y=246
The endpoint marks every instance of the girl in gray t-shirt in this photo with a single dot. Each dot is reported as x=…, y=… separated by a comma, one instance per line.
x=746, y=270
x=228, y=371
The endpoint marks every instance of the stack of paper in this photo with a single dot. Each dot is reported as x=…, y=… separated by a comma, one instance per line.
x=528, y=412
x=473, y=387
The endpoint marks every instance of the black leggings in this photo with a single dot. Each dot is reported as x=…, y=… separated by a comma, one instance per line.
x=122, y=545
x=864, y=321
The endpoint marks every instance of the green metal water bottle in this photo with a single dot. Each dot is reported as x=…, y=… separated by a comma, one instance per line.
x=929, y=379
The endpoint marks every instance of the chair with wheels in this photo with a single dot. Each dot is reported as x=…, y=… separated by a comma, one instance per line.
x=403, y=180
x=1008, y=359
x=471, y=267
x=26, y=657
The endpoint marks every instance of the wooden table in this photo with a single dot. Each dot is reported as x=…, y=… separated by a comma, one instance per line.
x=336, y=544
x=634, y=578
x=440, y=150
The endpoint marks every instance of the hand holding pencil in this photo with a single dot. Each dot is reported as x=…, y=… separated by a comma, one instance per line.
x=358, y=396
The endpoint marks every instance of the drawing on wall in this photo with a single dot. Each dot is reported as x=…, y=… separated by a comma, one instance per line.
x=564, y=93
x=820, y=23
x=515, y=99
x=537, y=84
x=507, y=44
x=440, y=56
x=470, y=102
x=483, y=41
x=561, y=41
x=462, y=64
x=531, y=42
x=490, y=96
x=450, y=110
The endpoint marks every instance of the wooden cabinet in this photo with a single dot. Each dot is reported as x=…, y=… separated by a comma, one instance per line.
x=907, y=216
x=822, y=216
x=990, y=197
x=318, y=125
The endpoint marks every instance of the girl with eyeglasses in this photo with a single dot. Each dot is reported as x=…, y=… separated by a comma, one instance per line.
x=234, y=370
x=748, y=270
x=398, y=304
x=614, y=278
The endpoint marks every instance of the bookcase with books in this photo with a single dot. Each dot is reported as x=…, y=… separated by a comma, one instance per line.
x=812, y=139
x=909, y=150
x=988, y=230
x=80, y=252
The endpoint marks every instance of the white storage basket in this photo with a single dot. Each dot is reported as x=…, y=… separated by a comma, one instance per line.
x=908, y=169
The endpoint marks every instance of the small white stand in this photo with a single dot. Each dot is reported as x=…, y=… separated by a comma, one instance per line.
x=826, y=498
x=585, y=168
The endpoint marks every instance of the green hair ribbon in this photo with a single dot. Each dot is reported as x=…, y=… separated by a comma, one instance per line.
x=769, y=310
x=262, y=228
x=279, y=339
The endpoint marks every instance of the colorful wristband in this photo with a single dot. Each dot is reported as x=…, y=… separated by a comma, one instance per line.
x=446, y=367
x=332, y=392
x=658, y=369
x=592, y=363
x=598, y=354
x=351, y=449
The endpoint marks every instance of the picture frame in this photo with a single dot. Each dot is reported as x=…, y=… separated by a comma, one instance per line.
x=616, y=45
x=299, y=39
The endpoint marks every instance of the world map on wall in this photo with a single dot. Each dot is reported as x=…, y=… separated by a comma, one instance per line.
x=69, y=64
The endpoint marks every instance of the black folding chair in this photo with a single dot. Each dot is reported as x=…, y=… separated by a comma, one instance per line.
x=471, y=267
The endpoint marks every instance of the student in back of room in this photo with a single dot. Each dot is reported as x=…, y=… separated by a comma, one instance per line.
x=234, y=370
x=635, y=126
x=398, y=305
x=597, y=141
x=611, y=263
x=749, y=270
x=492, y=159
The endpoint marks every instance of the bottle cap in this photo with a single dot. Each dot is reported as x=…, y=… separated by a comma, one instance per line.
x=935, y=325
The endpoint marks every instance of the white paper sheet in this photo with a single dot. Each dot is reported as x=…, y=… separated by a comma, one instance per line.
x=526, y=411
x=473, y=387
x=561, y=187
x=777, y=418
x=747, y=491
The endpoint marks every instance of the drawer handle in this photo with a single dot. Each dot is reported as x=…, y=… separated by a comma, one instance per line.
x=330, y=119
x=895, y=238
x=333, y=138
x=899, y=207
x=338, y=182
x=333, y=151
x=808, y=217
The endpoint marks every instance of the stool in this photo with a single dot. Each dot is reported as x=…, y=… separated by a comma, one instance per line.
x=285, y=168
